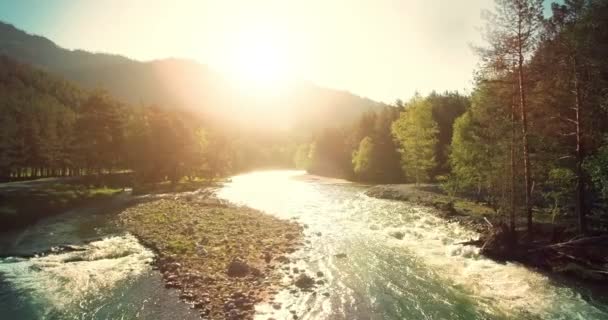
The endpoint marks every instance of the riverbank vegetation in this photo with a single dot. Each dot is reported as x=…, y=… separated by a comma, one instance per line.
x=25, y=203
x=529, y=142
x=51, y=128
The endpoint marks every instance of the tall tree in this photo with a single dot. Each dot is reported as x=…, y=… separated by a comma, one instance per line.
x=446, y=108
x=512, y=33
x=363, y=159
x=416, y=131
x=573, y=93
x=481, y=143
x=565, y=44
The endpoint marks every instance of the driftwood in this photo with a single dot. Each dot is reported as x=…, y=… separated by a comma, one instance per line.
x=599, y=241
x=587, y=257
x=488, y=222
x=471, y=242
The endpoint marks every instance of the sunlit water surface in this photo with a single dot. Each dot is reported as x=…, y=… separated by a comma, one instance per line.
x=426, y=275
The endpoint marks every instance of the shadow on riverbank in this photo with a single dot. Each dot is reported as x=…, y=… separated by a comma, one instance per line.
x=23, y=203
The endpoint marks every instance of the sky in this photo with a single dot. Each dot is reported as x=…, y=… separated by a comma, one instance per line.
x=381, y=49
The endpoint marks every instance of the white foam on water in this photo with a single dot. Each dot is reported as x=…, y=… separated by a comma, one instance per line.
x=69, y=279
x=501, y=290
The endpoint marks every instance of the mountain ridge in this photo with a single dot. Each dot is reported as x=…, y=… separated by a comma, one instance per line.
x=184, y=83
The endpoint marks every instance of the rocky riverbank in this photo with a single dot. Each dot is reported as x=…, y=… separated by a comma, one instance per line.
x=222, y=258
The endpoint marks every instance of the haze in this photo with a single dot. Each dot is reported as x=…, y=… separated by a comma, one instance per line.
x=383, y=49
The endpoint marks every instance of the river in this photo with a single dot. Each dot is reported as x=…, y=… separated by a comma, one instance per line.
x=368, y=273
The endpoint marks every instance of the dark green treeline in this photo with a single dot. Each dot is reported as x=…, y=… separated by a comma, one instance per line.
x=49, y=127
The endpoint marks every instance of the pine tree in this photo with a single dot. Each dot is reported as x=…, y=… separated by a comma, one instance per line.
x=512, y=33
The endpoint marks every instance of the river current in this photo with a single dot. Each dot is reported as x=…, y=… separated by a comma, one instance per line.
x=368, y=273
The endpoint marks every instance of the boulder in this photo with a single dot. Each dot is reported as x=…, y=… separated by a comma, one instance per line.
x=304, y=282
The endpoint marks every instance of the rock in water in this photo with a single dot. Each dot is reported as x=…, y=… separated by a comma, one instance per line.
x=304, y=282
x=237, y=268
x=397, y=235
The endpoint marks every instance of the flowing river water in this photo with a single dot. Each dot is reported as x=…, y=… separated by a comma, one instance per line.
x=368, y=273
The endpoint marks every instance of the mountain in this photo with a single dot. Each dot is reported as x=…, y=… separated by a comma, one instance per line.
x=179, y=83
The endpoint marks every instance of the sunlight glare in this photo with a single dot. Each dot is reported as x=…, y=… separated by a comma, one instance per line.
x=260, y=58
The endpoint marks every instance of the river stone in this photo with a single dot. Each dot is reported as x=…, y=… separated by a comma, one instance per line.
x=397, y=235
x=267, y=256
x=304, y=282
x=237, y=268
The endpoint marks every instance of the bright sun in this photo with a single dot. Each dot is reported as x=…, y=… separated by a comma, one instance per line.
x=259, y=57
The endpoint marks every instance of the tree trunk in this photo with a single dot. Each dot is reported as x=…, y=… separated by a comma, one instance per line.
x=524, y=131
x=580, y=183
x=512, y=217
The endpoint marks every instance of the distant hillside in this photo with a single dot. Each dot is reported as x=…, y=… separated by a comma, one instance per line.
x=186, y=84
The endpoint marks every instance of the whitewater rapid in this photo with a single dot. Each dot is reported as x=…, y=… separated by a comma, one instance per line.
x=425, y=275
x=366, y=272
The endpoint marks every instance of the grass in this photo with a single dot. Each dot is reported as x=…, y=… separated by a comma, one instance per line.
x=184, y=185
x=22, y=206
x=181, y=245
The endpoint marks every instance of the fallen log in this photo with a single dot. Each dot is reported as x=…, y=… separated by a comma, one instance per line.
x=471, y=242
x=598, y=240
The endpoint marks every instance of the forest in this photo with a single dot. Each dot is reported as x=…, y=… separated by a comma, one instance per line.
x=52, y=128
x=247, y=182
x=531, y=137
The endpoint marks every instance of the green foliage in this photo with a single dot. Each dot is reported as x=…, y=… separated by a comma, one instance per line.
x=330, y=154
x=480, y=145
x=374, y=150
x=21, y=206
x=416, y=131
x=380, y=151
x=100, y=142
x=447, y=107
x=363, y=159
x=50, y=128
x=450, y=185
x=597, y=168
x=560, y=190
x=302, y=157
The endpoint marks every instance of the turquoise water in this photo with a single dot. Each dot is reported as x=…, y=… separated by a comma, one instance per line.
x=110, y=276
x=368, y=273
x=426, y=275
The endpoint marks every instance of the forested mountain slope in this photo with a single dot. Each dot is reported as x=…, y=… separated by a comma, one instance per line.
x=186, y=84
